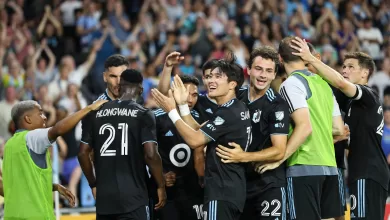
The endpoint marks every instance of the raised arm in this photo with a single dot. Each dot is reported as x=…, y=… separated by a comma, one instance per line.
x=66, y=124
x=194, y=138
x=325, y=71
x=172, y=59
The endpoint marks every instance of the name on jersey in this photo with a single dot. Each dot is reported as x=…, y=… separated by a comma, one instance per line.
x=245, y=115
x=117, y=112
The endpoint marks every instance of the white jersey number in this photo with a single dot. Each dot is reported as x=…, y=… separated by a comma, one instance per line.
x=104, y=151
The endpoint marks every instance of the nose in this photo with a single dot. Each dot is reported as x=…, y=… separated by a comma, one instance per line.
x=44, y=117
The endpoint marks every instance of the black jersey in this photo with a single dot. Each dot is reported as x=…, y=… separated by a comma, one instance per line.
x=269, y=116
x=177, y=157
x=206, y=107
x=226, y=182
x=339, y=147
x=364, y=117
x=86, y=121
x=119, y=130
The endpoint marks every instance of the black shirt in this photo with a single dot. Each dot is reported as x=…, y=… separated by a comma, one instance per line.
x=226, y=182
x=205, y=107
x=177, y=157
x=119, y=130
x=339, y=147
x=364, y=117
x=269, y=116
x=86, y=121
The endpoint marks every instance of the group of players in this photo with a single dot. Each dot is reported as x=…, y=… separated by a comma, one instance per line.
x=273, y=149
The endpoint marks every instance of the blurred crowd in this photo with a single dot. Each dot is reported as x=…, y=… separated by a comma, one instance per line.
x=53, y=51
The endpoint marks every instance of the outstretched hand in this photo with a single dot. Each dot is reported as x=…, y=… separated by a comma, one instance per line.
x=166, y=103
x=180, y=92
x=67, y=194
x=173, y=58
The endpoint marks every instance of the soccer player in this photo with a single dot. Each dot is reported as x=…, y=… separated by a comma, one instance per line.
x=266, y=195
x=310, y=153
x=225, y=190
x=205, y=105
x=123, y=133
x=27, y=171
x=368, y=174
x=114, y=66
x=341, y=142
x=183, y=167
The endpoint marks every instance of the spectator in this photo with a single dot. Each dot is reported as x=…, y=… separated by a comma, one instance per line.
x=371, y=39
x=5, y=116
x=381, y=79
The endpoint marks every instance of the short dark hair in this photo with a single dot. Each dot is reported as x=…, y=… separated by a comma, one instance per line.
x=20, y=109
x=285, y=50
x=265, y=52
x=281, y=71
x=364, y=61
x=115, y=61
x=132, y=76
x=209, y=65
x=189, y=79
x=233, y=71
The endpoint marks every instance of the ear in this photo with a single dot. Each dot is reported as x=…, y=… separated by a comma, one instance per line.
x=105, y=77
x=365, y=73
x=232, y=85
x=27, y=119
x=318, y=56
x=280, y=59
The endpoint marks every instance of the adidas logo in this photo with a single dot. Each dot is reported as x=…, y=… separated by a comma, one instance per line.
x=169, y=134
x=209, y=111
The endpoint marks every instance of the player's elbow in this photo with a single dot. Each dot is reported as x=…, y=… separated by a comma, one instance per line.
x=151, y=157
x=279, y=155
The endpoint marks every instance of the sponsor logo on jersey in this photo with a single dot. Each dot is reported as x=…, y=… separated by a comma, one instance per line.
x=209, y=110
x=169, y=134
x=211, y=127
x=219, y=121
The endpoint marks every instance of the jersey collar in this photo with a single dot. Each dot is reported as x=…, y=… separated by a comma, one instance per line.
x=108, y=96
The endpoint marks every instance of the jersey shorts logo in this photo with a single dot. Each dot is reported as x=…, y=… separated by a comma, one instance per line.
x=279, y=115
x=256, y=116
x=180, y=155
x=219, y=121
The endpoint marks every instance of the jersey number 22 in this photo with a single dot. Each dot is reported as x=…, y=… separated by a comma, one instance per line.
x=104, y=151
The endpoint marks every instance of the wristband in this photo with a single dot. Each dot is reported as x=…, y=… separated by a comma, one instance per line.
x=174, y=116
x=184, y=110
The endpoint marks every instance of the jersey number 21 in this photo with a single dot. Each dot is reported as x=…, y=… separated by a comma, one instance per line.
x=104, y=151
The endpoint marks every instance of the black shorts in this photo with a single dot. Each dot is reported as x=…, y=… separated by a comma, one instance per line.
x=220, y=210
x=269, y=205
x=342, y=188
x=188, y=209
x=313, y=197
x=368, y=199
x=142, y=213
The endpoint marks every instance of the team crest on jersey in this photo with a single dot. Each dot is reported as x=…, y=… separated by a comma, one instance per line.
x=256, y=116
x=279, y=115
x=219, y=121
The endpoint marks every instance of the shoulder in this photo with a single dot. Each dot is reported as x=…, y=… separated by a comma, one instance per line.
x=102, y=96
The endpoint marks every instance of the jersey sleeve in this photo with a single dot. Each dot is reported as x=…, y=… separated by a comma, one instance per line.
x=294, y=93
x=148, y=130
x=365, y=95
x=198, y=118
x=279, y=120
x=220, y=124
x=38, y=140
x=86, y=129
